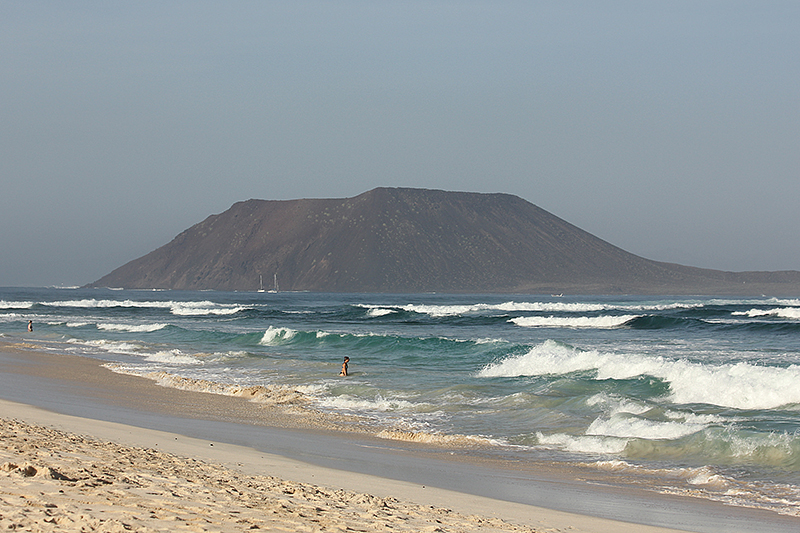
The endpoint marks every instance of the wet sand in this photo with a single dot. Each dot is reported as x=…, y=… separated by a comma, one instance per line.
x=86, y=449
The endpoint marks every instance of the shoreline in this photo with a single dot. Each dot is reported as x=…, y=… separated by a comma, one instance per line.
x=447, y=510
x=44, y=387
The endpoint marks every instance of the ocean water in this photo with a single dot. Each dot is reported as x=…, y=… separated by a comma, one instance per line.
x=695, y=396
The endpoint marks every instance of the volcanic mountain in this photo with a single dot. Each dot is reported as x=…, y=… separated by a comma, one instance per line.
x=416, y=240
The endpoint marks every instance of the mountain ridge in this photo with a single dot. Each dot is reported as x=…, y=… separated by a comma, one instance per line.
x=407, y=240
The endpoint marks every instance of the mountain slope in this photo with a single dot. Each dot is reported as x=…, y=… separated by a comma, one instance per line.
x=413, y=240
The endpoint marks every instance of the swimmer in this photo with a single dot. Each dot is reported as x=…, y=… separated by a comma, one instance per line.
x=344, y=366
x=30, y=325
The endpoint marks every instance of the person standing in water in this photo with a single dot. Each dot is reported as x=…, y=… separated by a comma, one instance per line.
x=30, y=325
x=344, y=366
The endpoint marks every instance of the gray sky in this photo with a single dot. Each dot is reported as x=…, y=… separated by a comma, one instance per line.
x=670, y=129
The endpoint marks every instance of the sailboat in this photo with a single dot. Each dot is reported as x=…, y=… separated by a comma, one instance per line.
x=275, y=287
x=261, y=284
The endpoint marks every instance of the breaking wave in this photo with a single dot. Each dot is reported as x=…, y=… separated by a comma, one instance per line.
x=599, y=322
x=132, y=328
x=739, y=385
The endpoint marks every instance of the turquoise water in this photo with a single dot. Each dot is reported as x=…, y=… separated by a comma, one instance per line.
x=679, y=394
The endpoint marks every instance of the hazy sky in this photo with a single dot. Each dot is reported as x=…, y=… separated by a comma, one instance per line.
x=670, y=129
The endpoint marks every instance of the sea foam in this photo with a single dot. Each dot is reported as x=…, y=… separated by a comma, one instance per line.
x=634, y=427
x=171, y=357
x=15, y=305
x=204, y=308
x=380, y=311
x=255, y=393
x=197, y=308
x=274, y=336
x=583, y=444
x=534, y=307
x=378, y=403
x=436, y=438
x=132, y=328
x=792, y=313
x=627, y=418
x=740, y=385
x=599, y=322
x=120, y=347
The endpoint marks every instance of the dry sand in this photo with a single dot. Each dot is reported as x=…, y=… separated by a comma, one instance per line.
x=74, y=473
x=54, y=480
x=51, y=480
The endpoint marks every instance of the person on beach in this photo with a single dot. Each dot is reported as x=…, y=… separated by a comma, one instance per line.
x=30, y=325
x=344, y=366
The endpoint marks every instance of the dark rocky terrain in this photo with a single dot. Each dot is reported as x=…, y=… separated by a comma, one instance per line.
x=415, y=240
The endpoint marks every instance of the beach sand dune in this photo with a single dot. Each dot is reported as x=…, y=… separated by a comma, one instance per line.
x=52, y=480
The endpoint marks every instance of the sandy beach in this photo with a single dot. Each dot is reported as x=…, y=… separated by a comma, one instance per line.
x=53, y=480
x=62, y=472
x=57, y=481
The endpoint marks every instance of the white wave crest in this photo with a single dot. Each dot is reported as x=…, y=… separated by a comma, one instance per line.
x=537, y=307
x=739, y=385
x=380, y=311
x=92, y=303
x=792, y=313
x=204, y=308
x=457, y=310
x=580, y=307
x=131, y=328
x=544, y=359
x=598, y=322
x=791, y=302
x=624, y=418
x=487, y=340
x=15, y=305
x=614, y=404
x=441, y=310
x=640, y=428
x=274, y=336
x=583, y=443
x=176, y=308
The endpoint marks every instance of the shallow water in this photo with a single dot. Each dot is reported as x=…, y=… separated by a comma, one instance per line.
x=687, y=395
